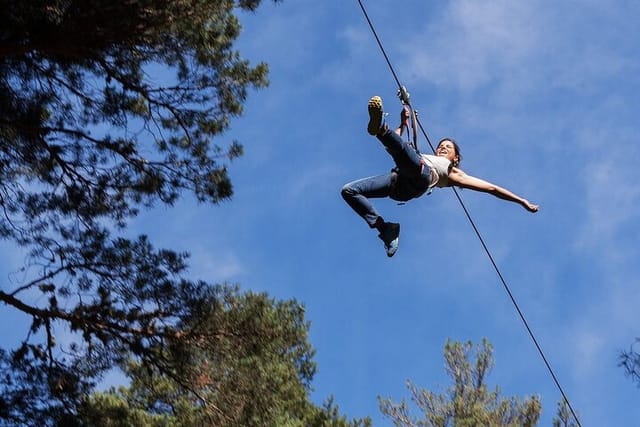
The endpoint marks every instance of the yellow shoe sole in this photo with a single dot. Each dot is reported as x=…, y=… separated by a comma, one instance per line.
x=375, y=115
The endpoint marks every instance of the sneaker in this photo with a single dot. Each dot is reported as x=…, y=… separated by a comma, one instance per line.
x=390, y=235
x=376, y=116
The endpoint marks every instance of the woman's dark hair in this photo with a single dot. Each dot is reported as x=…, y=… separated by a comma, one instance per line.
x=456, y=148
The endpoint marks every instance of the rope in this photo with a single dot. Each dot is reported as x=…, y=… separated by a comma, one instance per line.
x=475, y=228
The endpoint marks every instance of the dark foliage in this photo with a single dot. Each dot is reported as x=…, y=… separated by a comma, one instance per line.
x=630, y=361
x=106, y=107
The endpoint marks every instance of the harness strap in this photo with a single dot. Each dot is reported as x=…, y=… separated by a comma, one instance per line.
x=405, y=100
x=414, y=129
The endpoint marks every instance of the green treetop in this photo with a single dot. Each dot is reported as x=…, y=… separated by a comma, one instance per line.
x=468, y=402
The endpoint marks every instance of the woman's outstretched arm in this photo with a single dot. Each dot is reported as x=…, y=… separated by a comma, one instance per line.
x=459, y=178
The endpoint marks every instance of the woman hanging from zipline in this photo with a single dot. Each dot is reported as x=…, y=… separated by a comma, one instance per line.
x=413, y=175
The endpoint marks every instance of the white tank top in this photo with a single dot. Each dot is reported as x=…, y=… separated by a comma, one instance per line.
x=440, y=167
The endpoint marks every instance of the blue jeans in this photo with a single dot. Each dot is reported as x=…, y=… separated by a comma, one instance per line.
x=408, y=180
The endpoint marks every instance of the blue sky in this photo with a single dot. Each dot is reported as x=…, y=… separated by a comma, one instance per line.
x=542, y=97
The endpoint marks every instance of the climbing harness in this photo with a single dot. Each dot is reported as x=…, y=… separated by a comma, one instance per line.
x=404, y=96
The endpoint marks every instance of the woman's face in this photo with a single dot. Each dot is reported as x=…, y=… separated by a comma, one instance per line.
x=448, y=150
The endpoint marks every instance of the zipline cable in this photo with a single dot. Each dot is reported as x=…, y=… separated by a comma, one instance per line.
x=476, y=230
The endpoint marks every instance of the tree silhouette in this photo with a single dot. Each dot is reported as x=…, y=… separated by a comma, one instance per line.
x=107, y=107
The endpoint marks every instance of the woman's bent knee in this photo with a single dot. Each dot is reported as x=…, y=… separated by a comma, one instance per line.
x=348, y=192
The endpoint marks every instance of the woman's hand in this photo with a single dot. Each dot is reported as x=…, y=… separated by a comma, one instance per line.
x=530, y=206
x=404, y=116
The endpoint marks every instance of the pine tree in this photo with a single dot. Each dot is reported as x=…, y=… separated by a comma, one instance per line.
x=468, y=402
x=91, y=133
x=253, y=368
